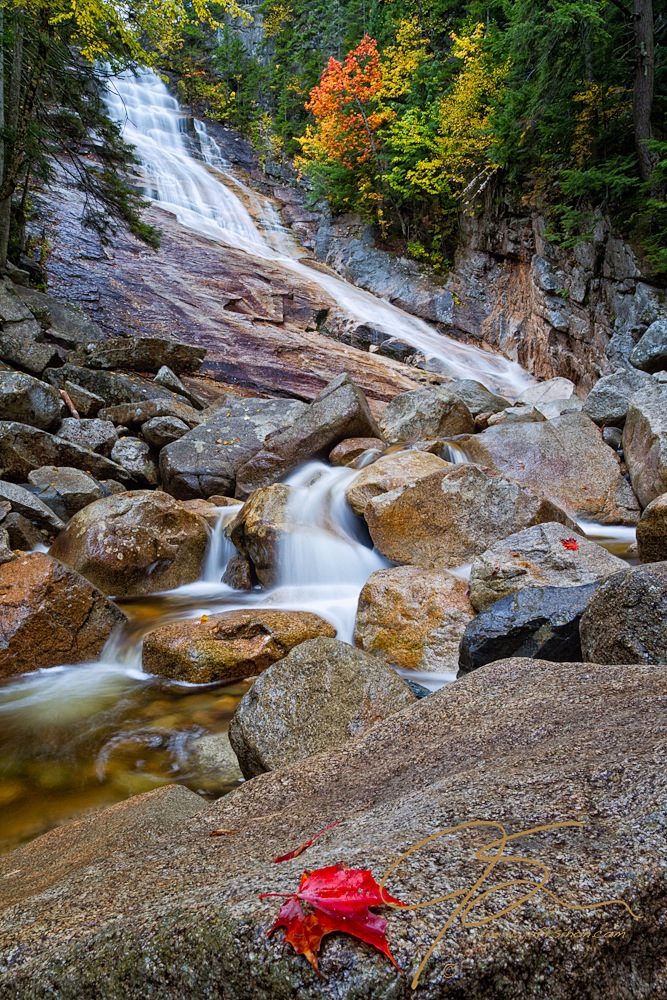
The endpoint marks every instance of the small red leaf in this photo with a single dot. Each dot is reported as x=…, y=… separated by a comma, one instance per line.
x=303, y=847
x=337, y=899
x=569, y=543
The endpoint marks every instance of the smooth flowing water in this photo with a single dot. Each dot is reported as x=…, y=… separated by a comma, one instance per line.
x=77, y=737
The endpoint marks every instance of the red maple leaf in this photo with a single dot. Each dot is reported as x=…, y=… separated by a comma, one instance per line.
x=336, y=898
x=569, y=543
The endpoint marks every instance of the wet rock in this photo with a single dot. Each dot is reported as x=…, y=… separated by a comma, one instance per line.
x=113, y=388
x=650, y=353
x=160, y=431
x=23, y=350
x=22, y=533
x=209, y=511
x=348, y=451
x=625, y=619
x=75, y=488
x=220, y=501
x=538, y=557
x=170, y=380
x=142, y=354
x=524, y=742
x=215, y=762
x=547, y=392
x=95, y=435
x=613, y=436
x=6, y=554
x=565, y=460
x=652, y=531
x=136, y=458
x=396, y=349
x=24, y=448
x=87, y=404
x=607, y=402
x=206, y=460
x=388, y=473
x=322, y=694
x=477, y=397
x=134, y=543
x=29, y=506
x=645, y=442
x=136, y=414
x=339, y=412
x=540, y=622
x=238, y=573
x=449, y=517
x=228, y=646
x=50, y=615
x=28, y=400
x=259, y=529
x=413, y=618
x=426, y=413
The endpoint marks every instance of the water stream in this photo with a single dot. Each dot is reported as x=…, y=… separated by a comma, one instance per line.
x=77, y=737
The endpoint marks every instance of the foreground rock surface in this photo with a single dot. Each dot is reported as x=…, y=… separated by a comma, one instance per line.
x=50, y=615
x=546, y=555
x=449, y=517
x=388, y=473
x=522, y=742
x=413, y=618
x=564, y=459
x=320, y=695
x=24, y=449
x=228, y=646
x=625, y=619
x=134, y=543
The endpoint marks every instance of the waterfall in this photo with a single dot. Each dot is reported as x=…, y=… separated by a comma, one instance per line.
x=189, y=177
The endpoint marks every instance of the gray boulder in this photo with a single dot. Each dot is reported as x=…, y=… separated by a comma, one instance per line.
x=63, y=323
x=24, y=448
x=607, y=402
x=12, y=309
x=426, y=414
x=160, y=431
x=22, y=349
x=652, y=531
x=29, y=506
x=110, y=386
x=74, y=487
x=545, y=555
x=87, y=404
x=547, y=392
x=134, y=415
x=650, y=353
x=136, y=458
x=564, y=459
x=477, y=397
x=23, y=534
x=625, y=620
x=95, y=435
x=170, y=380
x=539, y=622
x=259, y=529
x=141, y=354
x=28, y=400
x=322, y=694
x=645, y=442
x=339, y=412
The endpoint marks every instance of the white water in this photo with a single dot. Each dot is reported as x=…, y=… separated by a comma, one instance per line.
x=199, y=193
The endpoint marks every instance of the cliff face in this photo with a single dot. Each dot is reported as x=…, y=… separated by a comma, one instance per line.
x=574, y=313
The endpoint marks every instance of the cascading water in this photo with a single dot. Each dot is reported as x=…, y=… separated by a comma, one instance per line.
x=202, y=199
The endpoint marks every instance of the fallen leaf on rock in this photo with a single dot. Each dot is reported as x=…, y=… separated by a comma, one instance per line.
x=221, y=832
x=570, y=544
x=303, y=847
x=337, y=898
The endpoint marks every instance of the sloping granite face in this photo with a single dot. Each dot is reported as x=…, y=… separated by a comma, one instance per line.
x=174, y=912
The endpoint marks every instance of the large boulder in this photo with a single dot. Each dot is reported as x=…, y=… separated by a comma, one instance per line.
x=134, y=415
x=21, y=348
x=650, y=352
x=205, y=461
x=50, y=615
x=134, y=543
x=449, y=517
x=349, y=451
x=228, y=646
x=339, y=412
x=141, y=354
x=388, y=473
x=607, y=402
x=652, y=531
x=625, y=620
x=160, y=431
x=63, y=322
x=477, y=397
x=542, y=622
x=259, y=529
x=112, y=387
x=136, y=457
x=320, y=695
x=564, y=459
x=546, y=555
x=24, y=448
x=95, y=435
x=645, y=442
x=75, y=488
x=29, y=506
x=29, y=401
x=522, y=743
x=424, y=414
x=413, y=618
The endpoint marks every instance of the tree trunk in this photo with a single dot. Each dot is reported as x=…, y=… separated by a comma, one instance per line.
x=12, y=121
x=642, y=101
x=3, y=256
